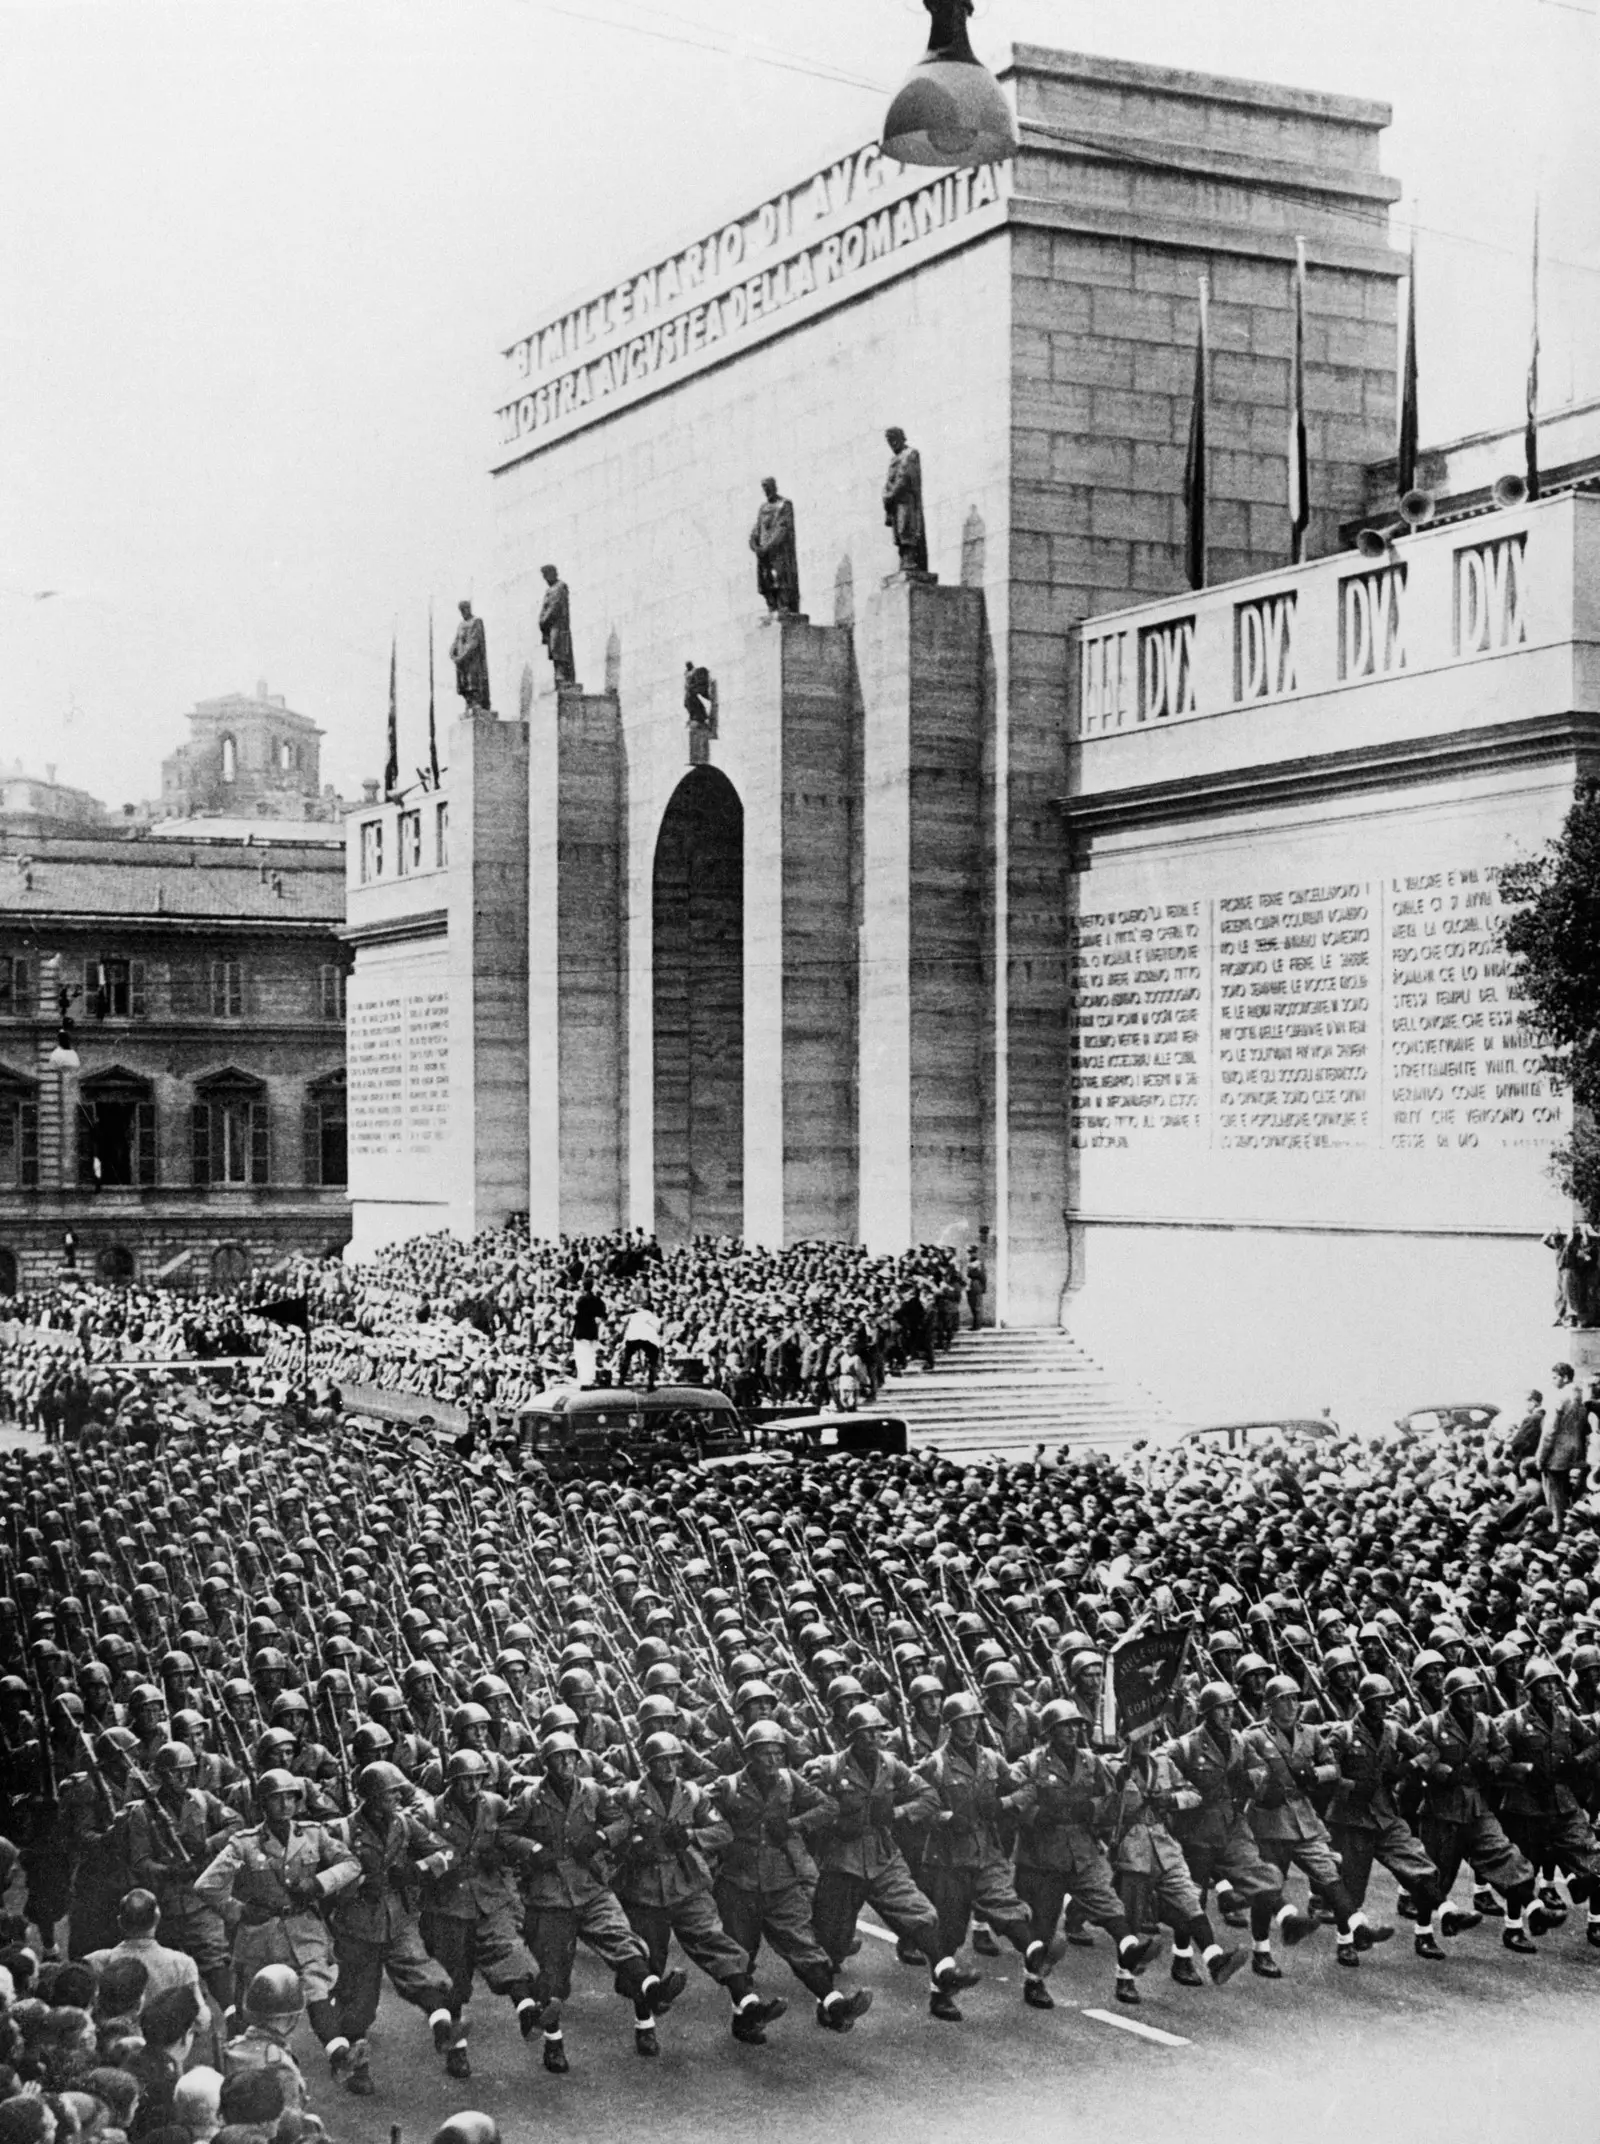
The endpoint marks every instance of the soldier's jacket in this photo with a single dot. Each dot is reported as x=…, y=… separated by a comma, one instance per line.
x=1014, y=1733
x=860, y=1840
x=510, y=1739
x=653, y=1868
x=757, y=1859
x=1328, y=1708
x=257, y=2049
x=598, y=1733
x=1297, y=1762
x=1371, y=1769
x=487, y=1854
x=727, y=1756
x=258, y=1871
x=570, y=1854
x=390, y=1887
x=1223, y=1776
x=168, y=1847
x=1061, y=1802
x=1562, y=1754
x=1460, y=1767
x=1148, y=1793
x=974, y=1786
x=916, y=1739
x=25, y=1809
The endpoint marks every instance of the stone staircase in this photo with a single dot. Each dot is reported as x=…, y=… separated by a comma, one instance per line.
x=1003, y=1392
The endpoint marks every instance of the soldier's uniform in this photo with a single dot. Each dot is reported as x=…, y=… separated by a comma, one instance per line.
x=564, y=1892
x=470, y=1918
x=375, y=1922
x=1296, y=1762
x=1457, y=1823
x=665, y=1885
x=964, y=1865
x=282, y=1887
x=859, y=1863
x=767, y=1877
x=169, y=1845
x=1541, y=1808
x=1364, y=1822
x=1062, y=1802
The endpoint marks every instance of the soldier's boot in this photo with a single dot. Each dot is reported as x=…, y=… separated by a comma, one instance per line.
x=554, y=2051
x=907, y=1952
x=1552, y=1905
x=442, y=2024
x=942, y=2004
x=660, y=1992
x=1039, y=1956
x=359, y=2082
x=1405, y=1907
x=644, y=2036
x=1522, y=1924
x=1034, y=1993
x=1234, y=1912
x=1184, y=1970
x=1364, y=1935
x=1221, y=1965
x=983, y=1942
x=837, y=2012
x=1427, y=1946
x=1133, y=1952
x=1293, y=1925
x=338, y=2051
x=1263, y=1964
x=951, y=1978
x=1346, y=1952
x=1127, y=1988
x=1486, y=1905
x=457, y=2062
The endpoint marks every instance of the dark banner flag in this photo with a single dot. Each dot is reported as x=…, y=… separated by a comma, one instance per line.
x=1299, y=474
x=391, y=768
x=433, y=734
x=1405, y=475
x=1530, y=435
x=1145, y=1671
x=287, y=1310
x=1194, y=464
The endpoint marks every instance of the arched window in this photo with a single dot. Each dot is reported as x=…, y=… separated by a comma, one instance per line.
x=114, y=1266
x=285, y=756
x=230, y=1130
x=230, y=760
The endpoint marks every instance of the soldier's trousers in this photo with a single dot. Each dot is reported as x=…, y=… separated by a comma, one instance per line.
x=1235, y=1859
x=984, y=1889
x=1317, y=1862
x=1486, y=1850
x=701, y=1936
x=489, y=1945
x=1163, y=1892
x=415, y=1977
x=784, y=1918
x=1044, y=1892
x=1394, y=1846
x=840, y=1896
x=1562, y=1840
x=552, y=1933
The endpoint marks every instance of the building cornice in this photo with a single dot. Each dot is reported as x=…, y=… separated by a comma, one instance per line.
x=398, y=930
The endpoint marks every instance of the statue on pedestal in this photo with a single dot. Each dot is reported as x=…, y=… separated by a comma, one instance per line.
x=772, y=540
x=555, y=626
x=1577, y=1257
x=700, y=705
x=902, y=503
x=469, y=651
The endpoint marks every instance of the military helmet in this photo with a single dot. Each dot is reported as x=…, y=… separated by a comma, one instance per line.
x=1427, y=1659
x=379, y=1778
x=1251, y=1664
x=467, y=1764
x=863, y=1719
x=766, y=1734
x=468, y=1716
x=960, y=1705
x=275, y=1780
x=1000, y=1675
x=370, y=1740
x=275, y=1991
x=661, y=1745
x=925, y=1686
x=175, y=1757
x=1460, y=1680
x=1214, y=1696
x=1371, y=1686
x=1539, y=1670
x=560, y=1742
x=1281, y=1686
x=1062, y=1712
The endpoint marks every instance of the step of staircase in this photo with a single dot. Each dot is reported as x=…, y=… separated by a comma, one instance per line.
x=1000, y=1393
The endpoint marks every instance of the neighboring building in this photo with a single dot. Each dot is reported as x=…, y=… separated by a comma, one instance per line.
x=30, y=806
x=247, y=757
x=203, y=1134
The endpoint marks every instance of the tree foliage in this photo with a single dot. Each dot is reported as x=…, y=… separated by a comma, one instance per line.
x=1553, y=935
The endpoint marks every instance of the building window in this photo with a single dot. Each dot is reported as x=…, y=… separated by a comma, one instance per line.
x=19, y=1137
x=230, y=1265
x=285, y=756
x=230, y=760
x=227, y=990
x=332, y=992
x=114, y=989
x=230, y=1135
x=8, y=1271
x=371, y=850
x=326, y=1139
x=116, y=1132
x=16, y=986
x=441, y=836
x=408, y=843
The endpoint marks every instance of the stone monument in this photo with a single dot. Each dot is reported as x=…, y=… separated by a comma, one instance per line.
x=772, y=540
x=902, y=505
x=555, y=625
x=469, y=651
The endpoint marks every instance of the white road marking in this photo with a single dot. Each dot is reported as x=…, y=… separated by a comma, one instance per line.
x=871, y=1928
x=1145, y=2032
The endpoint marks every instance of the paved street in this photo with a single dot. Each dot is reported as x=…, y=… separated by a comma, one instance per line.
x=1487, y=2046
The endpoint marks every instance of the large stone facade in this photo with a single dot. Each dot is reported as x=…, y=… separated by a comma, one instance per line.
x=892, y=1065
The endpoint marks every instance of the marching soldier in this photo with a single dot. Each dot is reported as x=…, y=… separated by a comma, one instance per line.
x=470, y=1918
x=174, y=1833
x=1553, y=1758
x=273, y=2002
x=1461, y=1752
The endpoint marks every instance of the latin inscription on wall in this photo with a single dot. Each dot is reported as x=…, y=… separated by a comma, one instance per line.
x=1374, y=1013
x=399, y=1072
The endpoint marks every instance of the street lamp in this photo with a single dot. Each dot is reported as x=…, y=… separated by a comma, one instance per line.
x=949, y=110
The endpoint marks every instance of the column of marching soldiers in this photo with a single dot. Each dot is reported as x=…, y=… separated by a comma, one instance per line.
x=327, y=1712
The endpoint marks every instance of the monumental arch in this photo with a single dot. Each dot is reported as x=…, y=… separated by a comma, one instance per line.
x=891, y=1062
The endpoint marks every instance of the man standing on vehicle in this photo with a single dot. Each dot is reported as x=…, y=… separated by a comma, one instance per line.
x=1562, y=1445
x=588, y=1317
x=641, y=1335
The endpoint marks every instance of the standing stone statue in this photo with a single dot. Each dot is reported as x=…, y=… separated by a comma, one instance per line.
x=772, y=540
x=555, y=625
x=902, y=503
x=469, y=651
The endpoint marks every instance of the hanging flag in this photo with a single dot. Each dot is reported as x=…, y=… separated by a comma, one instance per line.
x=1299, y=476
x=1530, y=436
x=1405, y=474
x=1146, y=1670
x=433, y=734
x=391, y=769
x=1194, y=466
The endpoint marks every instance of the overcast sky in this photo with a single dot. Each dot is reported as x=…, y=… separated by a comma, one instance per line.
x=256, y=261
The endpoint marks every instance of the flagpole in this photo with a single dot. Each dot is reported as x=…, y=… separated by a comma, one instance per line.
x=1405, y=475
x=1299, y=471
x=1194, y=471
x=1530, y=437
x=391, y=772
x=433, y=735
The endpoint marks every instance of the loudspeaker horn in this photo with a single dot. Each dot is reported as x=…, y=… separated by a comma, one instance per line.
x=1417, y=509
x=1372, y=543
x=1510, y=489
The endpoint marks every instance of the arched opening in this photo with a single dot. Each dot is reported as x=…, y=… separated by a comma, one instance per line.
x=8, y=1271
x=116, y=1130
x=114, y=1266
x=698, y=1009
x=230, y=760
x=230, y=1265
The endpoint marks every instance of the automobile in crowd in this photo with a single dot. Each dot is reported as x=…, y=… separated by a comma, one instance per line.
x=1451, y=1415
x=1246, y=1436
x=592, y=1431
x=821, y=1436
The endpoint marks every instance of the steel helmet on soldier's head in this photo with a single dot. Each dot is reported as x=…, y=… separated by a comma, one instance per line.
x=1062, y=1712
x=278, y=1781
x=925, y=1686
x=370, y=1741
x=863, y=1719
x=275, y=1991
x=661, y=1745
x=1538, y=1671
x=752, y=1692
x=379, y=1778
x=1215, y=1695
x=1279, y=1687
x=960, y=1705
x=1461, y=1680
x=1000, y=1675
x=175, y=1757
x=468, y=1716
x=1251, y=1664
x=1427, y=1659
x=467, y=1764
x=766, y=1734
x=560, y=1744
x=1374, y=1686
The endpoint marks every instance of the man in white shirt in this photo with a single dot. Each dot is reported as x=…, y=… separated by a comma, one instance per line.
x=642, y=1333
